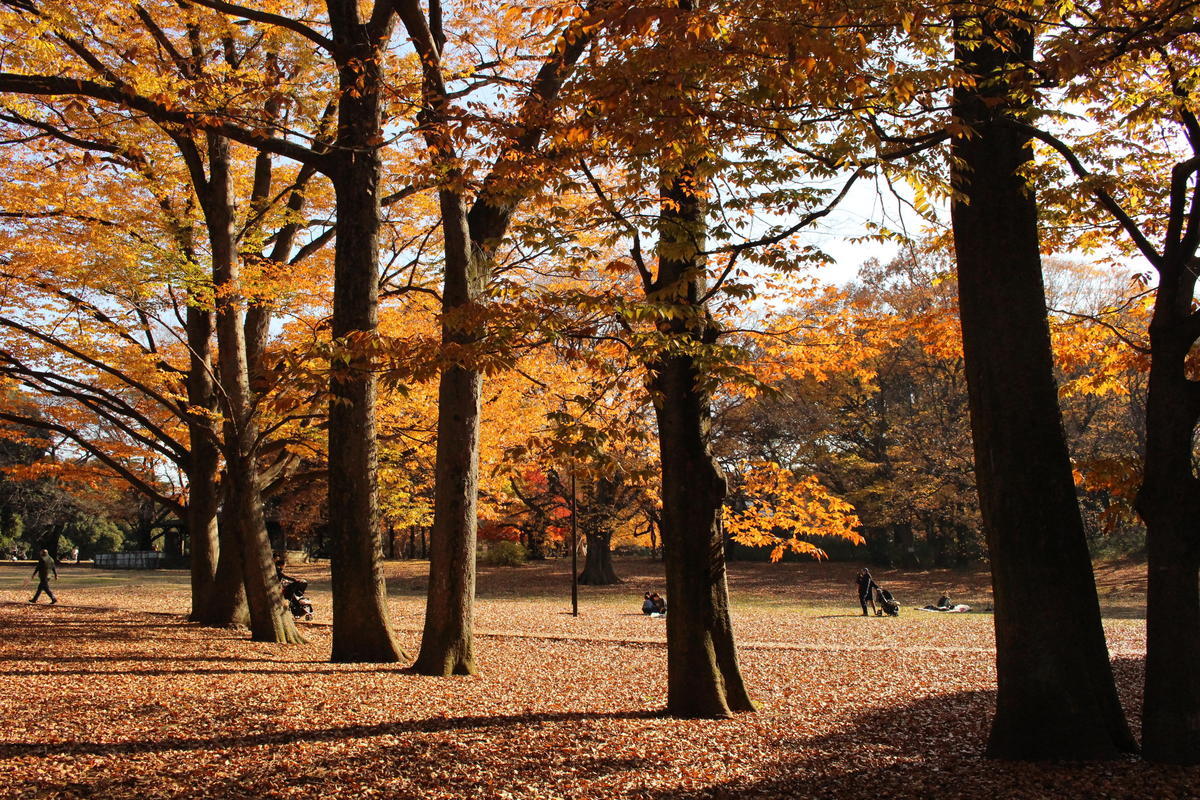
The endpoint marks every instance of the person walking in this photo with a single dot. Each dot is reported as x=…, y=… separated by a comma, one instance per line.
x=43, y=569
x=865, y=584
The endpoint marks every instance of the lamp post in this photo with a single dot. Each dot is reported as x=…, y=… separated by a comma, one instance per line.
x=574, y=550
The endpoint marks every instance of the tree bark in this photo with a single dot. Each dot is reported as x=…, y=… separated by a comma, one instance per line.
x=1169, y=503
x=703, y=676
x=598, y=567
x=229, y=606
x=1056, y=695
x=362, y=630
x=270, y=620
x=470, y=241
x=203, y=459
x=447, y=638
x=597, y=531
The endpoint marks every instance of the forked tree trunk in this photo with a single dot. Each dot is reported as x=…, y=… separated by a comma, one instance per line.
x=270, y=620
x=1169, y=503
x=447, y=637
x=362, y=630
x=703, y=676
x=1056, y=696
x=470, y=243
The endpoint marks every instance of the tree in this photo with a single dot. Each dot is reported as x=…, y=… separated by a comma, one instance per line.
x=1056, y=695
x=471, y=231
x=186, y=64
x=1135, y=70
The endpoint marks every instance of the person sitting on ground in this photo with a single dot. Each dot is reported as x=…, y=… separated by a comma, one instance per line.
x=660, y=605
x=944, y=603
x=865, y=584
x=647, y=604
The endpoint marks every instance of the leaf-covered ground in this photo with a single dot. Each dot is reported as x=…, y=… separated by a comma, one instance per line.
x=110, y=695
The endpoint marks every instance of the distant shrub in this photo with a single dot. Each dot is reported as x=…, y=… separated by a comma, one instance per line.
x=504, y=554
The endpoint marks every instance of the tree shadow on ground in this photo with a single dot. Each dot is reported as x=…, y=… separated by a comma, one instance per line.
x=302, y=735
x=933, y=748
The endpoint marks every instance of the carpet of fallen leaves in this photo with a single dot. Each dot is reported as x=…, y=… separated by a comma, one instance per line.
x=110, y=694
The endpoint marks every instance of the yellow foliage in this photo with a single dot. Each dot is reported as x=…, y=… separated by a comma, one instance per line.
x=780, y=509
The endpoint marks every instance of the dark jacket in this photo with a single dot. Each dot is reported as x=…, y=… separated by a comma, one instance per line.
x=44, y=567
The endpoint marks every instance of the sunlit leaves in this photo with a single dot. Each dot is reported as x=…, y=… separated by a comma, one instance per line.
x=779, y=510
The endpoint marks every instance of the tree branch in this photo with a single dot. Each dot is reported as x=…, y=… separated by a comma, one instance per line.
x=110, y=461
x=51, y=86
x=266, y=17
x=1102, y=196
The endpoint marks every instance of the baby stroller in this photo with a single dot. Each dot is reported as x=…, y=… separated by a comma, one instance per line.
x=298, y=602
x=887, y=603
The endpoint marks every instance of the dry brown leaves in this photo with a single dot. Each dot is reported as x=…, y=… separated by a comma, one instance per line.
x=102, y=698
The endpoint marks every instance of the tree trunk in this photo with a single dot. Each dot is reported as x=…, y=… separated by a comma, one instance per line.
x=703, y=676
x=202, y=467
x=598, y=568
x=905, y=544
x=1169, y=503
x=1056, y=697
x=469, y=242
x=270, y=620
x=597, y=531
x=229, y=606
x=447, y=639
x=362, y=630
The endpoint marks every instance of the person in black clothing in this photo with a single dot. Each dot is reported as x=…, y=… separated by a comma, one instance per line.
x=865, y=584
x=43, y=569
x=291, y=587
x=648, y=606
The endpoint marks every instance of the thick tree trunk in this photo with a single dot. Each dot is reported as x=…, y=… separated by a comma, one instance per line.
x=203, y=460
x=470, y=243
x=1056, y=696
x=703, y=676
x=598, y=568
x=597, y=531
x=1169, y=503
x=229, y=605
x=270, y=620
x=447, y=639
x=362, y=630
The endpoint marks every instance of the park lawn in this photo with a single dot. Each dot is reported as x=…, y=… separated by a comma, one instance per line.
x=110, y=695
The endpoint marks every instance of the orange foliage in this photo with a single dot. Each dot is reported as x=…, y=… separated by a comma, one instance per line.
x=780, y=510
